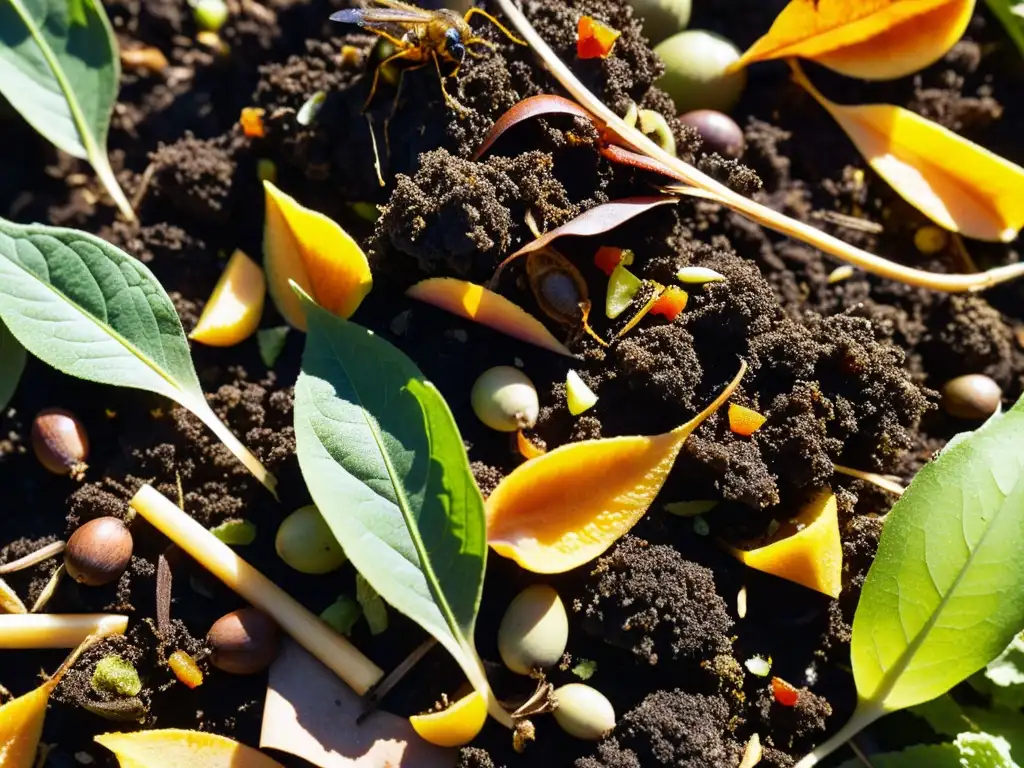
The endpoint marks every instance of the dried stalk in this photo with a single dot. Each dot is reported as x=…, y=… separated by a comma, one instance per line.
x=50, y=630
x=754, y=211
x=33, y=558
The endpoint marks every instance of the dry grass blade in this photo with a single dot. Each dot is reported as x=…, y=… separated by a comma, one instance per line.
x=756, y=212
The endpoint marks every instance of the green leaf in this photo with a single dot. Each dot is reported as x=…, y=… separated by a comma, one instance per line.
x=1006, y=11
x=1008, y=723
x=60, y=67
x=342, y=614
x=585, y=669
x=943, y=714
x=945, y=593
x=92, y=311
x=12, y=363
x=271, y=342
x=983, y=750
x=932, y=756
x=386, y=466
x=238, y=532
x=117, y=676
x=374, y=609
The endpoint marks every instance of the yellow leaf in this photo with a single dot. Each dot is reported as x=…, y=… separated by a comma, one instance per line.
x=455, y=726
x=305, y=246
x=21, y=719
x=564, y=508
x=954, y=182
x=871, y=39
x=476, y=303
x=177, y=748
x=807, y=550
x=235, y=306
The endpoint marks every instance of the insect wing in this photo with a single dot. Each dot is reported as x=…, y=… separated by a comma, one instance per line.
x=378, y=16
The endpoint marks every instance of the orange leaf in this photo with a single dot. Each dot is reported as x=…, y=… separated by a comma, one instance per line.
x=235, y=306
x=607, y=259
x=476, y=303
x=178, y=748
x=527, y=448
x=807, y=550
x=534, y=106
x=563, y=509
x=954, y=182
x=671, y=302
x=251, y=121
x=594, y=40
x=871, y=39
x=744, y=421
x=305, y=246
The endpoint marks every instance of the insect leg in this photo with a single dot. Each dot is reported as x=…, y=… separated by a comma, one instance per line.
x=376, y=73
x=451, y=102
x=493, y=21
x=394, y=107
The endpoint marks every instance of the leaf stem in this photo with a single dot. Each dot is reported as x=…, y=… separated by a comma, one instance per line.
x=865, y=714
x=766, y=217
x=203, y=410
x=333, y=650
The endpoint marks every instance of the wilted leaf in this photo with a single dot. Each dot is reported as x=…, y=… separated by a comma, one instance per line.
x=534, y=106
x=871, y=39
x=563, y=509
x=182, y=749
x=312, y=714
x=305, y=246
x=12, y=363
x=954, y=182
x=476, y=303
x=92, y=311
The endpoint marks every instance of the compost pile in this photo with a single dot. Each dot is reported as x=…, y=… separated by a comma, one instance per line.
x=846, y=371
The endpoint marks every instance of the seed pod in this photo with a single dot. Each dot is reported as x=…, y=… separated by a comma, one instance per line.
x=60, y=442
x=243, y=642
x=505, y=399
x=98, y=552
x=534, y=631
x=584, y=712
x=305, y=542
x=718, y=131
x=973, y=396
x=695, y=64
x=662, y=18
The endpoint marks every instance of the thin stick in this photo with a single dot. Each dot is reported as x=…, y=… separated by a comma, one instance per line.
x=33, y=558
x=49, y=590
x=334, y=651
x=884, y=482
x=394, y=677
x=754, y=211
x=852, y=744
x=51, y=630
x=163, y=598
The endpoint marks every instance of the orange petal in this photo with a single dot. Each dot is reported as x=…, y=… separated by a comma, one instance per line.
x=808, y=551
x=594, y=40
x=455, y=726
x=235, y=306
x=957, y=184
x=671, y=302
x=871, y=39
x=744, y=421
x=178, y=748
x=563, y=509
x=528, y=449
x=476, y=303
x=305, y=246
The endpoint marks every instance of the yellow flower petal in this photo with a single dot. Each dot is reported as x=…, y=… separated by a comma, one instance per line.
x=455, y=726
x=233, y=311
x=305, y=246
x=177, y=748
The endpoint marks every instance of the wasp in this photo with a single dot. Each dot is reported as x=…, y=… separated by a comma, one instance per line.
x=422, y=36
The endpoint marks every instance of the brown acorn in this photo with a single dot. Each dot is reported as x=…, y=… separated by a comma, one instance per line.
x=98, y=552
x=60, y=442
x=244, y=642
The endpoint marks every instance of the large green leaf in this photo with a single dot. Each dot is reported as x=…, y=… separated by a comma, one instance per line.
x=92, y=311
x=12, y=363
x=59, y=68
x=945, y=593
x=1011, y=16
x=385, y=464
x=969, y=750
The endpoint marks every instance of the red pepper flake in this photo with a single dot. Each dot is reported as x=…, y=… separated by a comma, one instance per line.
x=784, y=693
x=185, y=669
x=252, y=122
x=745, y=421
x=594, y=40
x=607, y=259
x=671, y=302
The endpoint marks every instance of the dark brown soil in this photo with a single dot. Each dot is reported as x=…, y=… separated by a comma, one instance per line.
x=845, y=372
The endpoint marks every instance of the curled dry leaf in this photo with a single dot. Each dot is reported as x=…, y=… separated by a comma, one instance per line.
x=549, y=514
x=476, y=303
x=871, y=39
x=805, y=550
x=305, y=246
x=182, y=749
x=534, y=106
x=954, y=182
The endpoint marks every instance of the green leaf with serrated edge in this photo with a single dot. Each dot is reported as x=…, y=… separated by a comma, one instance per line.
x=12, y=363
x=1008, y=723
x=60, y=67
x=943, y=714
x=271, y=343
x=945, y=593
x=92, y=311
x=385, y=464
x=374, y=609
x=1003, y=10
x=984, y=750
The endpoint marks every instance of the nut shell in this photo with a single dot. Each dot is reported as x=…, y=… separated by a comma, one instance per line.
x=973, y=396
x=60, y=442
x=718, y=132
x=243, y=642
x=584, y=712
x=534, y=631
x=98, y=552
x=505, y=399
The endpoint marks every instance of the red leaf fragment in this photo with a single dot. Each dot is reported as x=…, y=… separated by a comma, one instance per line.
x=671, y=302
x=594, y=40
x=624, y=156
x=534, y=106
x=784, y=693
x=607, y=259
